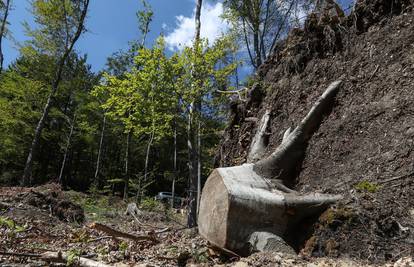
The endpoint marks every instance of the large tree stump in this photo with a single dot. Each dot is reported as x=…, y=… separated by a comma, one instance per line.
x=243, y=209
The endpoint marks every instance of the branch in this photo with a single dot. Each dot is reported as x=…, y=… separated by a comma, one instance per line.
x=247, y=44
x=57, y=257
x=116, y=233
x=281, y=27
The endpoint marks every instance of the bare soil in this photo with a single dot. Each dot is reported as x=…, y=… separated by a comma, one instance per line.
x=364, y=150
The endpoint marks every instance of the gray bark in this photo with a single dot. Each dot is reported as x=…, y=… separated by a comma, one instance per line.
x=192, y=153
x=259, y=142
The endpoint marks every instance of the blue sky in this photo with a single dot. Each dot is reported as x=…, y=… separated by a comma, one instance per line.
x=112, y=24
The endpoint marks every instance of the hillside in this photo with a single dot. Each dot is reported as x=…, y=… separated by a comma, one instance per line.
x=364, y=150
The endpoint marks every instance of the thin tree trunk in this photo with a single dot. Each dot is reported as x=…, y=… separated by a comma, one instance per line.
x=192, y=153
x=98, y=160
x=72, y=127
x=27, y=174
x=126, y=179
x=175, y=164
x=198, y=164
x=150, y=141
x=3, y=31
x=192, y=166
x=256, y=46
x=198, y=21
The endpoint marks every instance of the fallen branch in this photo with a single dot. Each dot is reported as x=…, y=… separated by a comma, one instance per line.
x=396, y=178
x=116, y=233
x=57, y=257
x=63, y=257
x=99, y=239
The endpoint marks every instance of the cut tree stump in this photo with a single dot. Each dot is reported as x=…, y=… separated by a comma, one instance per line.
x=245, y=209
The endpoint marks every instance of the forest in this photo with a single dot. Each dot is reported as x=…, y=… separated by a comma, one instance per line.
x=253, y=139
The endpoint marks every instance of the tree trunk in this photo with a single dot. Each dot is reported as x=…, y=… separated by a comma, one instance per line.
x=243, y=209
x=175, y=165
x=3, y=32
x=192, y=168
x=150, y=141
x=72, y=127
x=198, y=164
x=256, y=47
x=98, y=159
x=126, y=179
x=27, y=174
x=192, y=153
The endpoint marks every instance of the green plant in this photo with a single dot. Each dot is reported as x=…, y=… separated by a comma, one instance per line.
x=365, y=186
x=150, y=204
x=11, y=225
x=123, y=246
x=73, y=256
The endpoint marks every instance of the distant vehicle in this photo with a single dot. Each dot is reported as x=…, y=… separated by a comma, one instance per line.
x=167, y=196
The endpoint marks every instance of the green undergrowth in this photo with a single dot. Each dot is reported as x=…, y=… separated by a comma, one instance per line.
x=97, y=207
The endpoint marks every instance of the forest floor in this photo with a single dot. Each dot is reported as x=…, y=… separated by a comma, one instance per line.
x=35, y=221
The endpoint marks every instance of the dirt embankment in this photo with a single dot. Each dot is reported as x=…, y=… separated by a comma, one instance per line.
x=365, y=147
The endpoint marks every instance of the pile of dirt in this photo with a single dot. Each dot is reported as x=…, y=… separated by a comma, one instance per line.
x=49, y=197
x=364, y=150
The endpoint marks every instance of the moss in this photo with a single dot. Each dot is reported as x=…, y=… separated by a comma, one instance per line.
x=365, y=186
x=334, y=216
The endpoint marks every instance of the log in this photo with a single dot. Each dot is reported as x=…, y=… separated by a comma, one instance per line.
x=237, y=202
x=245, y=209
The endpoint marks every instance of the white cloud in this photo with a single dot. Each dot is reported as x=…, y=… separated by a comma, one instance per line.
x=212, y=26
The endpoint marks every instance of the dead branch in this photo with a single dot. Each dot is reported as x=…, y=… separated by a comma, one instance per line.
x=251, y=119
x=63, y=257
x=99, y=239
x=57, y=257
x=116, y=233
x=397, y=178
